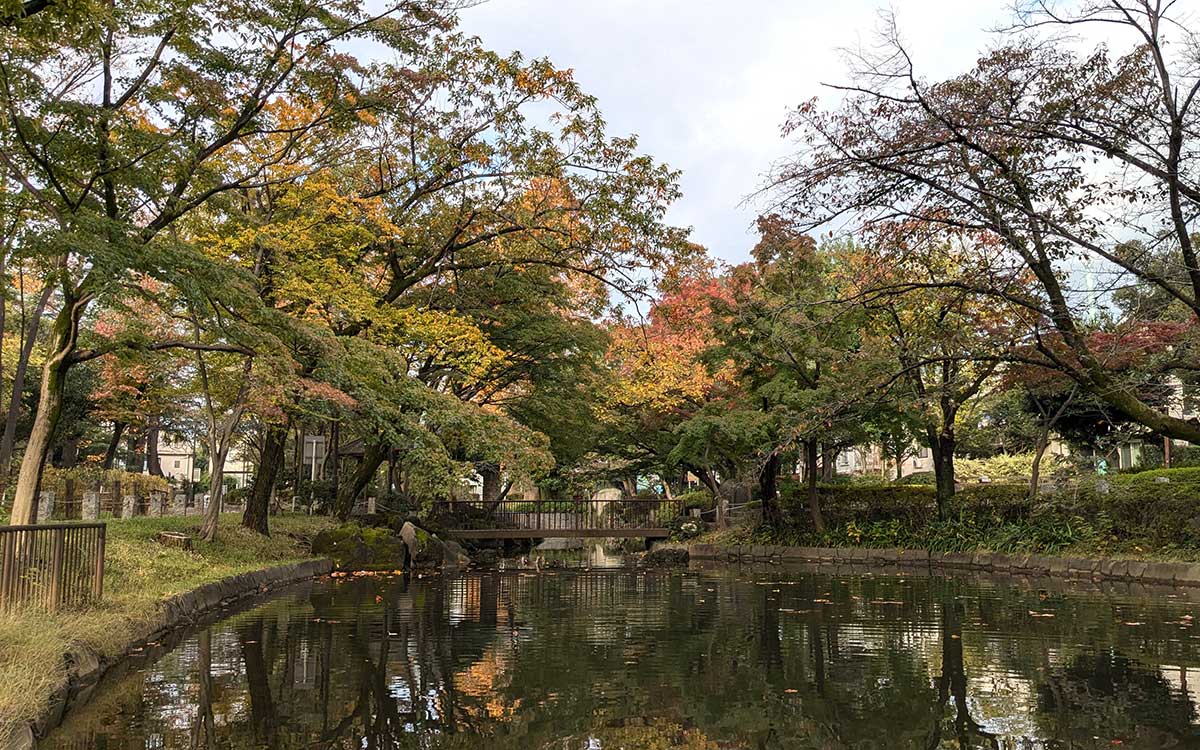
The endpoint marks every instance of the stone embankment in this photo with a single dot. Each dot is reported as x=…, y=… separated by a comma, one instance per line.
x=1142, y=571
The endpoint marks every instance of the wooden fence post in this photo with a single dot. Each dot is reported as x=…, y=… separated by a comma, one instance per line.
x=7, y=565
x=54, y=595
x=98, y=572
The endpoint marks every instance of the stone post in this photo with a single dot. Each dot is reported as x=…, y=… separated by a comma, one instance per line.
x=45, y=506
x=91, y=505
x=128, y=506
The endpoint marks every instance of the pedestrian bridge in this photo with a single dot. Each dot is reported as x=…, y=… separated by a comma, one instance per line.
x=546, y=519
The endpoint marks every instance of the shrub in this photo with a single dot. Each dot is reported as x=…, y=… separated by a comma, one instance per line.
x=683, y=529
x=1007, y=501
x=918, y=477
x=235, y=496
x=1184, y=474
x=1010, y=467
x=1185, y=455
x=860, y=480
x=90, y=475
x=842, y=503
x=702, y=499
x=1163, y=515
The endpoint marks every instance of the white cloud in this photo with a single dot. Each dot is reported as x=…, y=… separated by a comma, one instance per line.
x=706, y=85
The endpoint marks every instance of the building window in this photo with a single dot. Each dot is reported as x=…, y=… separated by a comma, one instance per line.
x=176, y=463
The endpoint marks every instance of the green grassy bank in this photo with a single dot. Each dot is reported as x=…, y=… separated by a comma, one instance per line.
x=139, y=573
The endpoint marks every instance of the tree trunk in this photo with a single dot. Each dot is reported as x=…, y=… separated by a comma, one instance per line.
x=19, y=374
x=810, y=476
x=494, y=488
x=258, y=503
x=1035, y=470
x=114, y=443
x=299, y=458
x=768, y=484
x=137, y=452
x=828, y=461
x=372, y=459
x=709, y=481
x=49, y=411
x=153, y=463
x=942, y=444
x=217, y=451
x=335, y=447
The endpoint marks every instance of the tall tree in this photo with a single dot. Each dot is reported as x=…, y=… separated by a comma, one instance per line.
x=945, y=344
x=180, y=115
x=1059, y=156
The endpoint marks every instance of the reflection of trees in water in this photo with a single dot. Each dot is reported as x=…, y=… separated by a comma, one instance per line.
x=204, y=729
x=1109, y=695
x=952, y=683
x=670, y=660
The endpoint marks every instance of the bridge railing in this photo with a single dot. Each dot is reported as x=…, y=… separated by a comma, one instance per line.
x=560, y=515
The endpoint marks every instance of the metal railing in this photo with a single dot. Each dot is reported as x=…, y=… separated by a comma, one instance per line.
x=51, y=565
x=559, y=515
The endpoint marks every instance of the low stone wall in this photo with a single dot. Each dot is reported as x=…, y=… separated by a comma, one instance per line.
x=1175, y=574
x=85, y=668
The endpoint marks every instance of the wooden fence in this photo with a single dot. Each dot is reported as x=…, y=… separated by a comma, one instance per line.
x=51, y=565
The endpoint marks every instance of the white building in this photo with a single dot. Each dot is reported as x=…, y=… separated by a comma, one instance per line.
x=178, y=461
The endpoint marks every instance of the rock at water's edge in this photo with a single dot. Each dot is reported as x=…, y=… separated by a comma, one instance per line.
x=664, y=555
x=354, y=547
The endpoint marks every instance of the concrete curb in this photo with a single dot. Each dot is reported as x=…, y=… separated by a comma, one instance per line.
x=85, y=668
x=1138, y=571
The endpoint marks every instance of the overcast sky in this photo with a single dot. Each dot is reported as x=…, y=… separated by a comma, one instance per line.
x=706, y=85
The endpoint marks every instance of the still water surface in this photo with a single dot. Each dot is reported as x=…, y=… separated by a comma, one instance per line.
x=603, y=659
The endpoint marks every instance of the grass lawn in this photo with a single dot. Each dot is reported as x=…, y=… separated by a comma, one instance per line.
x=138, y=574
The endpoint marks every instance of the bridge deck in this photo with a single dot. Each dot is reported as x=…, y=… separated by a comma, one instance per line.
x=548, y=519
x=557, y=533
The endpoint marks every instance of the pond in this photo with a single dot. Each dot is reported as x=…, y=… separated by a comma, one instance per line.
x=626, y=658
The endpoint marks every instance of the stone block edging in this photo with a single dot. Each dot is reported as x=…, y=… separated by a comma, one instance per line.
x=85, y=667
x=1140, y=571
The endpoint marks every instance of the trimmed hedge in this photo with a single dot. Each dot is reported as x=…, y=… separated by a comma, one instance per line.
x=1097, y=515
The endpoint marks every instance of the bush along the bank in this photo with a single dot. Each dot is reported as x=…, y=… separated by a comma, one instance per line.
x=1097, y=516
x=685, y=528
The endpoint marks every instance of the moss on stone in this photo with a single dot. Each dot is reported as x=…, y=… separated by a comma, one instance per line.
x=355, y=547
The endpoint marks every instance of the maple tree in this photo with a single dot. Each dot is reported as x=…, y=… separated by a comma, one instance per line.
x=1055, y=155
x=660, y=379
x=945, y=345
